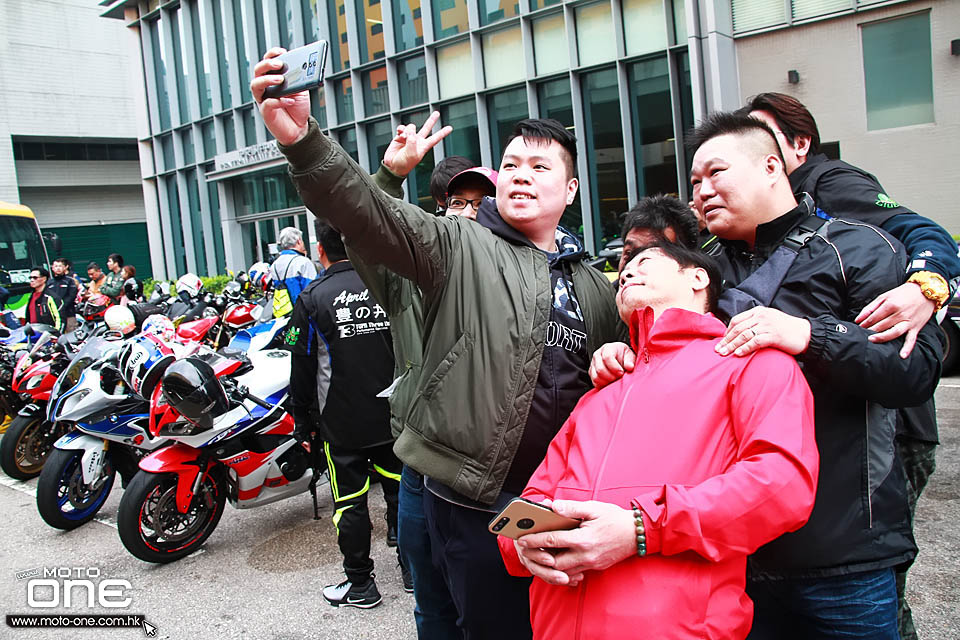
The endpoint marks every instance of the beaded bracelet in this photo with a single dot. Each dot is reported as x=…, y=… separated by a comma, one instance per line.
x=641, y=534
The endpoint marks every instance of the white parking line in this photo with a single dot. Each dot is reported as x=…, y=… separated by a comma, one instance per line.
x=30, y=490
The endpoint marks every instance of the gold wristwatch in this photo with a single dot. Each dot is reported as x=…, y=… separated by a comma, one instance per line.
x=933, y=286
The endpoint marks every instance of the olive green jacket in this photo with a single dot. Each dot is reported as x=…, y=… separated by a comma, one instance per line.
x=486, y=306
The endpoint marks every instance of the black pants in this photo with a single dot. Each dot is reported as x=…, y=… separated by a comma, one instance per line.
x=490, y=602
x=349, y=483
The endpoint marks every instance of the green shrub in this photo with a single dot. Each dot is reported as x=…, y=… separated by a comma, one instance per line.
x=213, y=284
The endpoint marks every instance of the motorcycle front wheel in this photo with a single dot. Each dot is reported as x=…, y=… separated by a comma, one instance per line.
x=151, y=527
x=25, y=446
x=63, y=500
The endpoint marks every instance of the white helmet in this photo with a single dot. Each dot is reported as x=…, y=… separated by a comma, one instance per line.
x=190, y=284
x=260, y=275
x=120, y=318
x=160, y=326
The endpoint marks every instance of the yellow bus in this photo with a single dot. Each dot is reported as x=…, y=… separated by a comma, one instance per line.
x=21, y=249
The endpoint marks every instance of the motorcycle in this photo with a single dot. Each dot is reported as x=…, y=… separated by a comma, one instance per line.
x=107, y=433
x=30, y=437
x=236, y=445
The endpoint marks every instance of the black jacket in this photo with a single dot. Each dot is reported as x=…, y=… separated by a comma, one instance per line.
x=860, y=520
x=342, y=358
x=63, y=289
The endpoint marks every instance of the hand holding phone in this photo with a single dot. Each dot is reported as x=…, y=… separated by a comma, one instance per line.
x=302, y=70
x=521, y=517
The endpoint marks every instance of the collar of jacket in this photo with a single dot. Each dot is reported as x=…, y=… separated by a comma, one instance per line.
x=801, y=173
x=569, y=246
x=672, y=330
x=771, y=234
x=290, y=252
x=336, y=267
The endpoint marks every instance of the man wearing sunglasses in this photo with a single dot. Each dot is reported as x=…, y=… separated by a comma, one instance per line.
x=42, y=307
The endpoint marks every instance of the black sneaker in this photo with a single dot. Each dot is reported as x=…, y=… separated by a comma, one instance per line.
x=407, y=578
x=347, y=594
x=391, y=536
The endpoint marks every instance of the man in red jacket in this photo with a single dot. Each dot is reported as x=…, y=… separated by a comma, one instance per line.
x=678, y=471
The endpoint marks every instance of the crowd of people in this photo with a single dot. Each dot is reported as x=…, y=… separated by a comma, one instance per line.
x=56, y=298
x=740, y=426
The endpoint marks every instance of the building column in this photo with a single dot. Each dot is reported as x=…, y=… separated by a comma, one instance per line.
x=712, y=57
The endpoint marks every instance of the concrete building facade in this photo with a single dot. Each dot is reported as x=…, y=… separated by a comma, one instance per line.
x=68, y=143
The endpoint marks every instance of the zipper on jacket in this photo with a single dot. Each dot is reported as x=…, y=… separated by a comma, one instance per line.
x=645, y=355
x=866, y=436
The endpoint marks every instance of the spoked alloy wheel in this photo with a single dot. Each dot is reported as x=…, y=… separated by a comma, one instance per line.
x=63, y=500
x=25, y=446
x=151, y=527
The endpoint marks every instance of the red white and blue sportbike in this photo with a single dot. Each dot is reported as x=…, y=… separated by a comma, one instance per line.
x=233, y=440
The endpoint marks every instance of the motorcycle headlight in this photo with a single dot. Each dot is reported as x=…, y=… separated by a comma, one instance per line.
x=183, y=428
x=34, y=382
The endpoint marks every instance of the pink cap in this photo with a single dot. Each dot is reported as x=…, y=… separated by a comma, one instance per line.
x=489, y=174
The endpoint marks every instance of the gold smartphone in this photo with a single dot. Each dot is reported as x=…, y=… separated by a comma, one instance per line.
x=521, y=517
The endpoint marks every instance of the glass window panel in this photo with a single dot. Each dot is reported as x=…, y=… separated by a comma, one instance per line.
x=757, y=14
x=644, y=26
x=412, y=74
x=407, y=24
x=186, y=142
x=505, y=109
x=379, y=135
x=503, y=57
x=375, y=97
x=196, y=222
x=249, y=127
x=285, y=17
x=201, y=53
x=493, y=10
x=160, y=73
x=679, y=22
x=176, y=225
x=208, y=135
x=465, y=138
x=179, y=63
x=344, y=91
x=229, y=132
x=604, y=138
x=348, y=140
x=311, y=27
x=318, y=106
x=217, y=228
x=550, y=51
x=249, y=233
x=222, y=62
x=540, y=4
x=811, y=8
x=268, y=236
x=652, y=117
x=449, y=17
x=339, y=52
x=246, y=65
x=595, y=42
x=686, y=109
x=370, y=28
x=556, y=102
x=898, y=72
x=455, y=69
x=258, y=14
x=418, y=180
x=166, y=151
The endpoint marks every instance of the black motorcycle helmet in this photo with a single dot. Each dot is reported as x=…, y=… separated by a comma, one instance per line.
x=133, y=289
x=192, y=388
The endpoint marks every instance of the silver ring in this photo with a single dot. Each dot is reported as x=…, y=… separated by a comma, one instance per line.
x=753, y=334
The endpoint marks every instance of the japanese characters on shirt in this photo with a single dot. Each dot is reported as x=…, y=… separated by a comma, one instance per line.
x=357, y=314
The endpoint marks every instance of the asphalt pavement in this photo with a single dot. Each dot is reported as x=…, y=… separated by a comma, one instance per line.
x=261, y=572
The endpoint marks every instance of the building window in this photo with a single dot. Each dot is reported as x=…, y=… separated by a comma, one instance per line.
x=494, y=10
x=209, y=137
x=465, y=138
x=179, y=64
x=348, y=140
x=166, y=152
x=215, y=226
x=803, y=9
x=344, y=91
x=201, y=53
x=898, y=72
x=176, y=225
x=412, y=74
x=339, y=51
x=229, y=132
x=311, y=27
x=418, y=180
x=455, y=69
x=604, y=138
x=505, y=109
x=376, y=100
x=407, y=24
x=449, y=17
x=644, y=26
x=370, y=28
x=222, y=62
x=550, y=50
x=160, y=73
x=196, y=222
x=757, y=14
x=285, y=17
x=245, y=65
x=318, y=106
x=652, y=118
x=595, y=41
x=679, y=22
x=249, y=126
x=503, y=57
x=540, y=4
x=186, y=143
x=379, y=135
x=556, y=102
